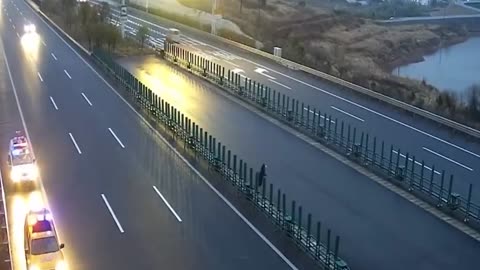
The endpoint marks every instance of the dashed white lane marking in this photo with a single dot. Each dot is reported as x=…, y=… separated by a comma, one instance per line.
x=54, y=104
x=75, y=143
x=168, y=205
x=120, y=228
x=68, y=75
x=281, y=84
x=116, y=138
x=447, y=158
x=86, y=98
x=346, y=113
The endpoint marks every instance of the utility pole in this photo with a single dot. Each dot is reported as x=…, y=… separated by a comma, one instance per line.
x=146, y=6
x=123, y=17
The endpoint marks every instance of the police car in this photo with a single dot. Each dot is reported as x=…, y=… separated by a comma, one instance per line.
x=42, y=249
x=23, y=168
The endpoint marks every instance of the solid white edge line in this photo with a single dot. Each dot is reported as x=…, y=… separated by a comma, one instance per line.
x=40, y=76
x=447, y=158
x=244, y=219
x=416, y=161
x=346, y=113
x=68, y=75
x=281, y=84
x=75, y=143
x=6, y=219
x=116, y=138
x=120, y=228
x=168, y=205
x=88, y=101
x=228, y=203
x=27, y=133
x=53, y=102
x=54, y=57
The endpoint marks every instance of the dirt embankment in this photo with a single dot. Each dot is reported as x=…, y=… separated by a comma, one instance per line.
x=353, y=48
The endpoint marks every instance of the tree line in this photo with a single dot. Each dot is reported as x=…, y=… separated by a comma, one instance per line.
x=89, y=23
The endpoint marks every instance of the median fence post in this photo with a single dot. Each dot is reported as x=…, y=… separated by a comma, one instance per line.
x=279, y=192
x=299, y=227
x=440, y=197
x=318, y=238
x=390, y=162
x=469, y=202
x=412, y=174
x=421, y=175
x=329, y=233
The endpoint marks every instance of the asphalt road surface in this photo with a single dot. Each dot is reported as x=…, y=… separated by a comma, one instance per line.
x=379, y=229
x=426, y=141
x=121, y=198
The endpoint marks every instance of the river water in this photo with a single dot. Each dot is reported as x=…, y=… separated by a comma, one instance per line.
x=454, y=68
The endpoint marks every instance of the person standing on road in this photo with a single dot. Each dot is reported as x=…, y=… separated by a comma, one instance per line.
x=262, y=175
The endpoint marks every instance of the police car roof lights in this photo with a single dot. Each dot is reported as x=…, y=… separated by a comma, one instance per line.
x=42, y=226
x=42, y=215
x=19, y=145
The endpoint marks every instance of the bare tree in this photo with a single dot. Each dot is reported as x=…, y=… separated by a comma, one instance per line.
x=142, y=34
x=112, y=37
x=473, y=100
x=104, y=12
x=68, y=12
x=85, y=12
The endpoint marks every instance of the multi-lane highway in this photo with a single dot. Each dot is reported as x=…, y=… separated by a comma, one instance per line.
x=425, y=140
x=121, y=197
x=389, y=232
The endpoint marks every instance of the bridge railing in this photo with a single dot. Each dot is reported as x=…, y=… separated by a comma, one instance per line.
x=290, y=217
x=385, y=160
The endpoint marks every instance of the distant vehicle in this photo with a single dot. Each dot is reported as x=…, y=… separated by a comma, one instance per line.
x=23, y=168
x=30, y=28
x=42, y=249
x=173, y=35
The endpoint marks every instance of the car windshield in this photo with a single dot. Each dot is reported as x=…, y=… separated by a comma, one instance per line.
x=44, y=245
x=22, y=159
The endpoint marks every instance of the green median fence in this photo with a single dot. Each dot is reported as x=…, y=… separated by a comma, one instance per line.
x=314, y=239
x=386, y=160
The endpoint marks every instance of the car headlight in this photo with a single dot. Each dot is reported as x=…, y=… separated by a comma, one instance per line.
x=15, y=175
x=61, y=265
x=33, y=171
x=33, y=267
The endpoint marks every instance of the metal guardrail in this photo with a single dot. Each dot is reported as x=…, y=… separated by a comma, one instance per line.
x=360, y=89
x=384, y=160
x=287, y=215
x=5, y=250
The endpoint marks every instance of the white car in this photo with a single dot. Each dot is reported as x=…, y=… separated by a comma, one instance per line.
x=23, y=168
x=42, y=248
x=30, y=28
x=173, y=35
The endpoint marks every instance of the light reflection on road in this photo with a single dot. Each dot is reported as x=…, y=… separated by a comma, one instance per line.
x=20, y=204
